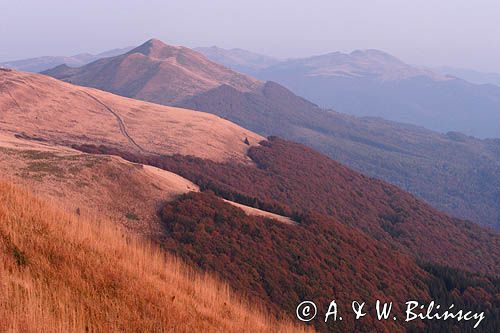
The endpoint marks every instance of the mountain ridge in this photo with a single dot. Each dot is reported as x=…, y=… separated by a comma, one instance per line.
x=40, y=64
x=456, y=168
x=239, y=60
x=137, y=75
x=375, y=83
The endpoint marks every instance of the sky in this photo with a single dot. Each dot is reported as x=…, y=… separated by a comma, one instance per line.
x=459, y=33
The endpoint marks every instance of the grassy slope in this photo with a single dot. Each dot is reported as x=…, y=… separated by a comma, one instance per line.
x=61, y=273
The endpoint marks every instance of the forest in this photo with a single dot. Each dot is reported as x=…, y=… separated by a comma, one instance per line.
x=290, y=179
x=356, y=237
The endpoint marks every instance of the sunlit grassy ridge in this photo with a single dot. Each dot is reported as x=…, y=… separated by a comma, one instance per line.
x=62, y=273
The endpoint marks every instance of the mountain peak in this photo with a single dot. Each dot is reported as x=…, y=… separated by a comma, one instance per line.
x=157, y=72
x=154, y=42
x=155, y=48
x=375, y=54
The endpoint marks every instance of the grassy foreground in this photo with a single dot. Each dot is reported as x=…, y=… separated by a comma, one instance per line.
x=64, y=273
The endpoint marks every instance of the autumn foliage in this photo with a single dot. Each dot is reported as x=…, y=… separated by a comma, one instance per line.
x=356, y=237
x=284, y=264
x=293, y=180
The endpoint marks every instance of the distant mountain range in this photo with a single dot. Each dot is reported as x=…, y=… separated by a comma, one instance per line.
x=470, y=75
x=455, y=173
x=40, y=64
x=238, y=59
x=374, y=83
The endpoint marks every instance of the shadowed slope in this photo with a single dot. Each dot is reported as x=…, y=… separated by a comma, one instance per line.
x=374, y=83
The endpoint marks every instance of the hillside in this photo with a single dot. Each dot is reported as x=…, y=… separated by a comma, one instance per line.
x=293, y=180
x=290, y=265
x=52, y=267
x=348, y=228
x=376, y=84
x=470, y=75
x=284, y=264
x=455, y=173
x=141, y=72
x=238, y=60
x=37, y=106
x=104, y=186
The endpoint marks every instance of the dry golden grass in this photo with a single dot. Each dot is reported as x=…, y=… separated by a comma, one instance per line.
x=97, y=185
x=45, y=108
x=62, y=273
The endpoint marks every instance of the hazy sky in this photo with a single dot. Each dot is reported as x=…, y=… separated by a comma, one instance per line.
x=463, y=33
